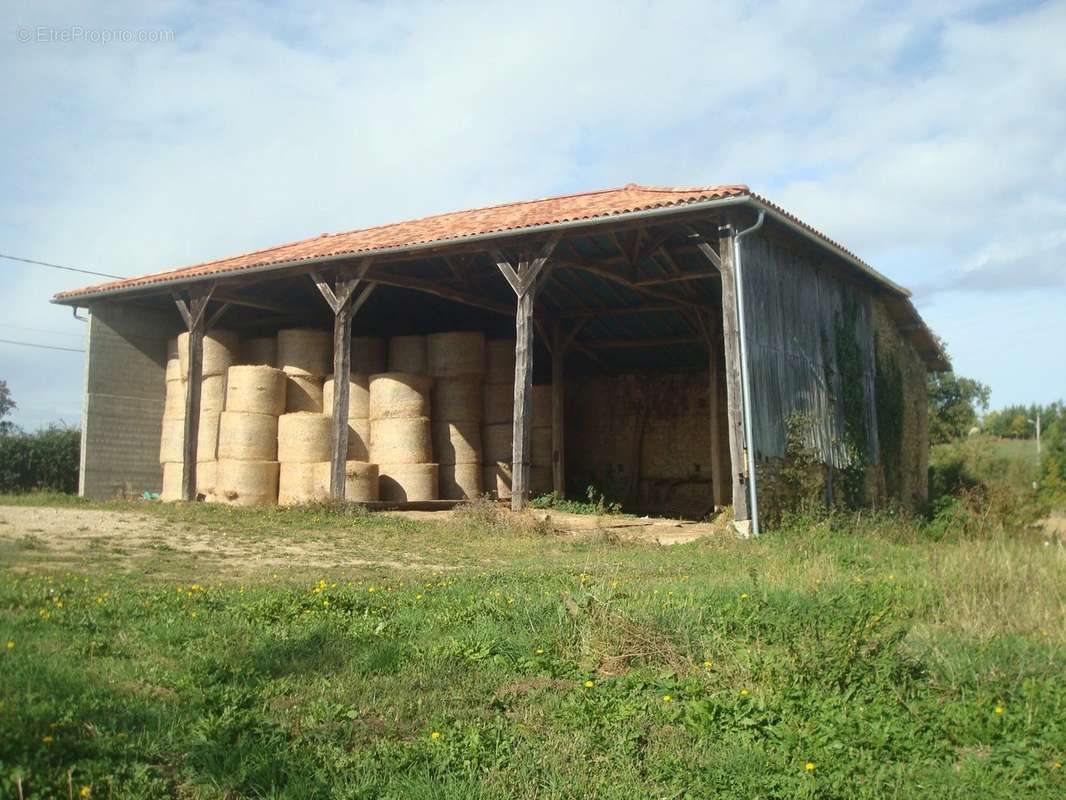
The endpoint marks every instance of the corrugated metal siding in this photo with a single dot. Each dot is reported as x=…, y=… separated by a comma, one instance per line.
x=792, y=316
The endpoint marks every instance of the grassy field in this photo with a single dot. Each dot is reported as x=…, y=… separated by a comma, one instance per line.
x=205, y=652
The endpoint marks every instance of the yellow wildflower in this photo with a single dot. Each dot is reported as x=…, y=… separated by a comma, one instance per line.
x=540, y=651
x=743, y=692
x=47, y=739
x=10, y=644
x=744, y=596
x=435, y=735
x=85, y=792
x=809, y=766
x=999, y=710
x=667, y=698
x=588, y=684
x=707, y=664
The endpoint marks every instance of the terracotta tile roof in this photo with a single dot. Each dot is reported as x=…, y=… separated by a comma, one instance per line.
x=456, y=225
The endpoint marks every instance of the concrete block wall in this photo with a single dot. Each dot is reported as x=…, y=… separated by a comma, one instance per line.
x=124, y=390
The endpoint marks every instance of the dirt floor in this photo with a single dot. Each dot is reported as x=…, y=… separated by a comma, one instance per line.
x=151, y=543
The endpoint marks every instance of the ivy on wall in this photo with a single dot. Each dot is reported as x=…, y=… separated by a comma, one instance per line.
x=852, y=404
x=888, y=401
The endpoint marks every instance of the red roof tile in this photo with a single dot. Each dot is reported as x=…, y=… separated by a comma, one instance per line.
x=441, y=227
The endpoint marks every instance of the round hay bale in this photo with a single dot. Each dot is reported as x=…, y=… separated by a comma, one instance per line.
x=260, y=351
x=407, y=354
x=247, y=483
x=400, y=440
x=171, y=481
x=213, y=394
x=358, y=396
x=172, y=440
x=247, y=437
x=305, y=351
x=368, y=355
x=304, y=438
x=298, y=483
x=499, y=361
x=173, y=370
x=496, y=480
x=399, y=394
x=456, y=442
x=542, y=405
x=457, y=399
x=454, y=355
x=459, y=481
x=407, y=482
x=496, y=441
x=360, y=480
x=174, y=401
x=220, y=351
x=206, y=478
x=358, y=440
x=255, y=389
x=541, y=448
x=497, y=403
x=207, y=436
x=303, y=393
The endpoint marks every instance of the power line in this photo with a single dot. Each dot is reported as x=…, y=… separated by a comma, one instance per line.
x=42, y=346
x=60, y=266
x=41, y=330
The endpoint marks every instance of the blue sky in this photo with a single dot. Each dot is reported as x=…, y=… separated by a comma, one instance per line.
x=929, y=138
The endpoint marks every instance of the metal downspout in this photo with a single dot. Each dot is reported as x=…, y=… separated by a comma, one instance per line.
x=745, y=373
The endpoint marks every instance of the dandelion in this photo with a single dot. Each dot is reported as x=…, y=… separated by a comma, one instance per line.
x=85, y=792
x=435, y=735
x=539, y=651
x=744, y=596
x=1056, y=765
x=809, y=766
x=743, y=692
x=707, y=664
x=589, y=684
x=999, y=710
x=47, y=739
x=667, y=698
x=10, y=644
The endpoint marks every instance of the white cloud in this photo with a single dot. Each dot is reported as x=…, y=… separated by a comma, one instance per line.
x=923, y=138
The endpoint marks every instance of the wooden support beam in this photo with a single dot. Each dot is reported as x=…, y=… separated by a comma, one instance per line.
x=339, y=298
x=193, y=312
x=616, y=311
x=593, y=268
x=684, y=276
x=523, y=280
x=237, y=299
x=624, y=344
x=731, y=342
x=440, y=290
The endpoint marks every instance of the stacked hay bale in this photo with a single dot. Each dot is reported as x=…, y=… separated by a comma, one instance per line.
x=540, y=474
x=262, y=350
x=498, y=428
x=304, y=442
x=358, y=413
x=305, y=355
x=400, y=439
x=361, y=480
x=218, y=353
x=456, y=362
x=408, y=354
x=247, y=469
x=498, y=416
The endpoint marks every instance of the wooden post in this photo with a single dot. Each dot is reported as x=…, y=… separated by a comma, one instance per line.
x=193, y=313
x=734, y=401
x=339, y=298
x=523, y=281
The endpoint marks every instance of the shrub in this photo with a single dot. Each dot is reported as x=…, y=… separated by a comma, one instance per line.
x=47, y=459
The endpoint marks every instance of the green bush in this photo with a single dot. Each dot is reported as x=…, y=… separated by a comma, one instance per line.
x=47, y=459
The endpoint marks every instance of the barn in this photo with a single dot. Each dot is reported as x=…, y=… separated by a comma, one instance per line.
x=691, y=349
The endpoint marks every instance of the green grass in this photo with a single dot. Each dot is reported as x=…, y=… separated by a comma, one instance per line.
x=508, y=662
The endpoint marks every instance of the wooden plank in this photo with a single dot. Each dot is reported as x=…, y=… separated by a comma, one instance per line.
x=504, y=265
x=533, y=271
x=684, y=276
x=714, y=411
x=623, y=344
x=560, y=344
x=237, y=299
x=324, y=289
x=734, y=402
x=440, y=290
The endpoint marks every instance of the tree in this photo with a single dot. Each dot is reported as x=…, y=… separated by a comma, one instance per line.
x=7, y=405
x=953, y=405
